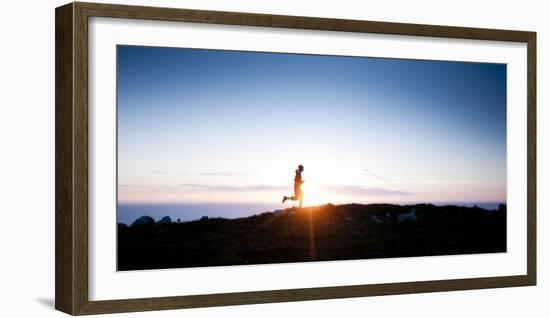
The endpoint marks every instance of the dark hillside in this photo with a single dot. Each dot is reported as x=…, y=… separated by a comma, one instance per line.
x=329, y=232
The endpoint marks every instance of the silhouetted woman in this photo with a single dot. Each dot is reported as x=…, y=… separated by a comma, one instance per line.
x=298, y=195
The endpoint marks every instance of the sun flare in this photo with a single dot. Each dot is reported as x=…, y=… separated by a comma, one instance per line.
x=315, y=195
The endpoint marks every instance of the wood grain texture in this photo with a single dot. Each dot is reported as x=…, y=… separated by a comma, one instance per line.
x=165, y=303
x=72, y=157
x=64, y=235
x=80, y=167
x=298, y=22
x=532, y=158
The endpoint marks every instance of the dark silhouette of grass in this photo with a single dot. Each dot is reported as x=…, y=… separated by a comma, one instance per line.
x=323, y=233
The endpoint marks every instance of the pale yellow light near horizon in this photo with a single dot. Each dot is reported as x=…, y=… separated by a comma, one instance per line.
x=321, y=186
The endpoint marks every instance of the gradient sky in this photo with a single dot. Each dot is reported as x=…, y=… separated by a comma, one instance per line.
x=207, y=126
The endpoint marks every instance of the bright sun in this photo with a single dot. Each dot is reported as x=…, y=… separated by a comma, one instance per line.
x=314, y=195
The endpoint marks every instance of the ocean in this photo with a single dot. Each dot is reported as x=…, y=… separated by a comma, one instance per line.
x=127, y=213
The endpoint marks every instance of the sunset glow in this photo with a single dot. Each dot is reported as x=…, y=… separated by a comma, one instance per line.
x=205, y=126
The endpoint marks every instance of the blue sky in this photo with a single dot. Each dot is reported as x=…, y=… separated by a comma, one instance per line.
x=230, y=126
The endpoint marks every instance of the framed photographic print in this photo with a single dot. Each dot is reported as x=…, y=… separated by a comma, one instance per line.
x=210, y=158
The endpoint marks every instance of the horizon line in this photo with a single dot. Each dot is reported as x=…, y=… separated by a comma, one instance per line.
x=336, y=202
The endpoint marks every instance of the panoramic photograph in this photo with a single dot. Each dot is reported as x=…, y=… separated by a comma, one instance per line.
x=247, y=158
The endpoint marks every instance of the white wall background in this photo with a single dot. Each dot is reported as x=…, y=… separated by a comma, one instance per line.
x=27, y=158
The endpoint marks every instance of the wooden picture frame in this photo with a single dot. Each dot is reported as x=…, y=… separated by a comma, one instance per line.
x=71, y=124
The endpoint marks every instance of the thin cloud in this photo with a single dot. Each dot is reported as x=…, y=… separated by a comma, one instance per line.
x=228, y=188
x=359, y=190
x=449, y=181
x=132, y=186
x=225, y=174
x=166, y=172
x=206, y=173
x=382, y=178
x=374, y=175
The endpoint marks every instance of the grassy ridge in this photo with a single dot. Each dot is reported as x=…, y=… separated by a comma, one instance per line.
x=329, y=232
